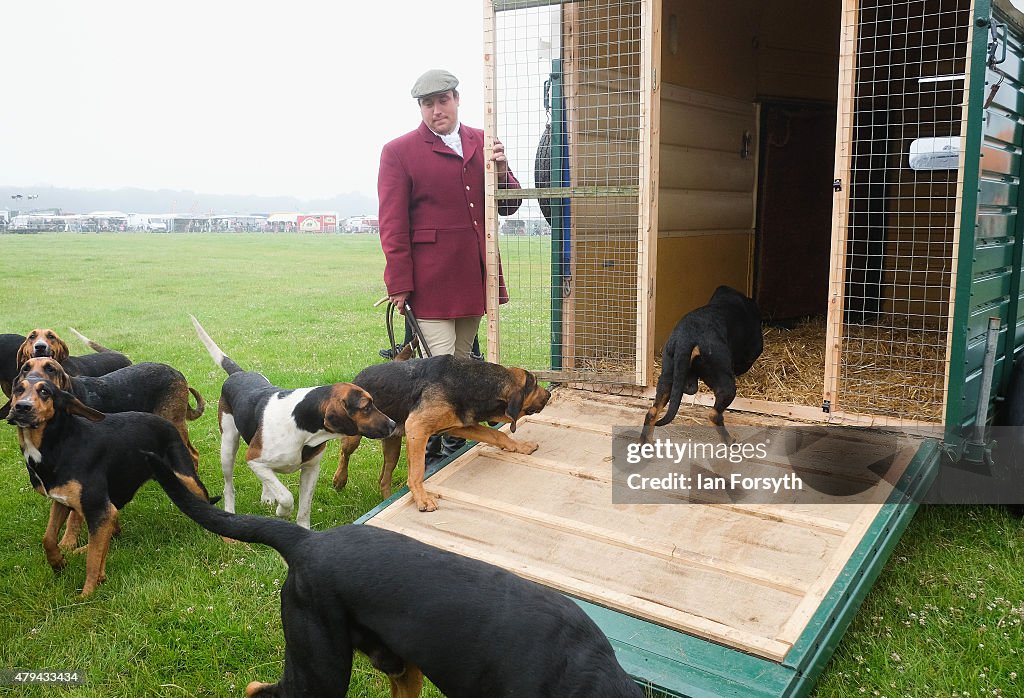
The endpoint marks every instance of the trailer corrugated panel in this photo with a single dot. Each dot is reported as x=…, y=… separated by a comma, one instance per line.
x=988, y=283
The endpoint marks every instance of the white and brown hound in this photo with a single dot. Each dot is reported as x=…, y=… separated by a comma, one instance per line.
x=286, y=430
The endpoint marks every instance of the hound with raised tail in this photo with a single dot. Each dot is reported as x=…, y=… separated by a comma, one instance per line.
x=144, y=387
x=472, y=628
x=286, y=430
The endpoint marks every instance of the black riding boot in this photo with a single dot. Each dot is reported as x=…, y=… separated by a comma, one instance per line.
x=451, y=444
x=434, y=449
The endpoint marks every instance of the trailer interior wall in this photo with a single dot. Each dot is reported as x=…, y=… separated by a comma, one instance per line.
x=720, y=62
x=750, y=94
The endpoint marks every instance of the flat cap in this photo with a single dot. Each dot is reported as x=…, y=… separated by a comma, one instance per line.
x=434, y=82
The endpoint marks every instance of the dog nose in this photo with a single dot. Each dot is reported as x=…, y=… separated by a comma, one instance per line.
x=22, y=407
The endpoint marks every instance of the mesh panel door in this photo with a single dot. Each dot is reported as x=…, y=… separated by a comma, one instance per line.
x=567, y=97
x=903, y=74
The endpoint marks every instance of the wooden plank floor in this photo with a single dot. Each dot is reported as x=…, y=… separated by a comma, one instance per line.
x=748, y=576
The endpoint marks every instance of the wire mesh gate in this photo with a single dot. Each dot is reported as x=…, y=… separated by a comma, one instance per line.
x=567, y=104
x=903, y=76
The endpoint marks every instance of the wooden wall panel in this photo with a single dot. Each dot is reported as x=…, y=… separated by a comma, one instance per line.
x=691, y=268
x=705, y=200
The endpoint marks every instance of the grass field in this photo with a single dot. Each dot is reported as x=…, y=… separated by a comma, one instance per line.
x=184, y=614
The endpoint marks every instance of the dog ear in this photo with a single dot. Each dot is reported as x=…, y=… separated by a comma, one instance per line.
x=60, y=350
x=515, y=406
x=24, y=352
x=56, y=373
x=407, y=351
x=516, y=399
x=337, y=418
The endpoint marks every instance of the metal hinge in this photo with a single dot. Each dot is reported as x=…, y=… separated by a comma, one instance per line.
x=826, y=406
x=837, y=185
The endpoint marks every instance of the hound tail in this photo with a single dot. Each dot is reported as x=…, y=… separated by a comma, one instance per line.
x=194, y=414
x=280, y=535
x=681, y=366
x=91, y=344
x=218, y=356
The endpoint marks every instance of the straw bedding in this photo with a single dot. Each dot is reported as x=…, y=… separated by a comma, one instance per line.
x=885, y=369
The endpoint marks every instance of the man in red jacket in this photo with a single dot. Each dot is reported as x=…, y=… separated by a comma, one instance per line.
x=432, y=218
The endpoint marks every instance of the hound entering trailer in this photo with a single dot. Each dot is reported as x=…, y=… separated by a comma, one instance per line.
x=855, y=167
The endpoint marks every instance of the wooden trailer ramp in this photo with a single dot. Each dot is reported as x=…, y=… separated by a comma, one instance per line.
x=699, y=599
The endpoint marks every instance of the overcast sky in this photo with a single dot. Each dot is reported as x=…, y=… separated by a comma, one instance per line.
x=222, y=97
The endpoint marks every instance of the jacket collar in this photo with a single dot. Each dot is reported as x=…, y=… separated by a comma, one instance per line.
x=470, y=142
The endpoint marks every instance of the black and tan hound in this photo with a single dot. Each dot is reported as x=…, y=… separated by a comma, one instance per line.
x=443, y=394
x=43, y=342
x=472, y=628
x=90, y=463
x=145, y=387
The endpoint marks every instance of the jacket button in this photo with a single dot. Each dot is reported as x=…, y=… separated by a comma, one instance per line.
x=471, y=204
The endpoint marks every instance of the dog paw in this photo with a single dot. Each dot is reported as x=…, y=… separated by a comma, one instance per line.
x=255, y=689
x=526, y=447
x=339, y=481
x=284, y=511
x=426, y=502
